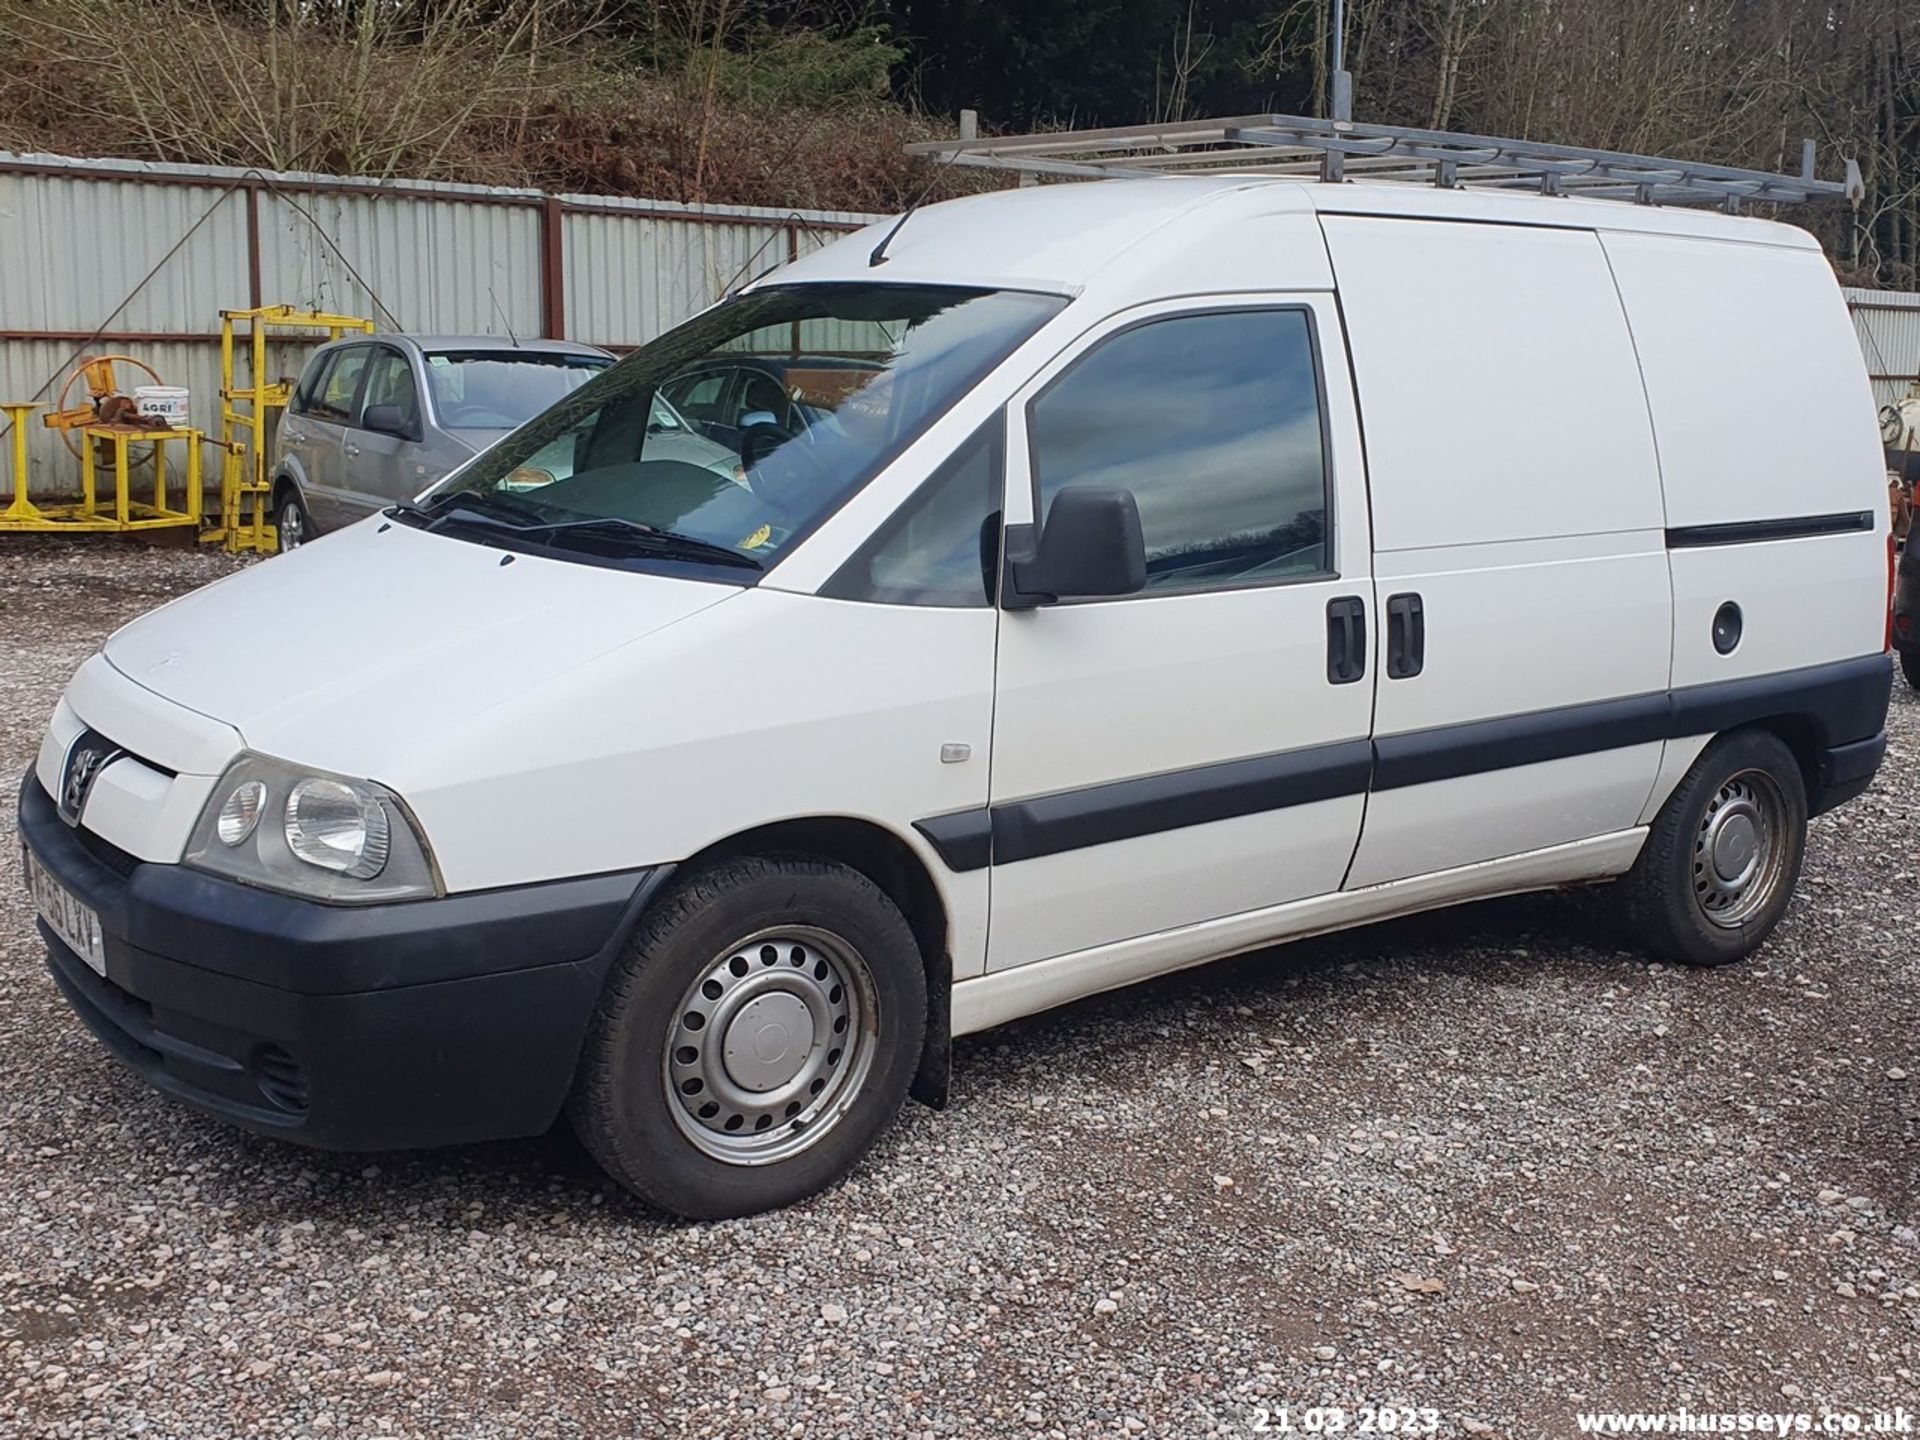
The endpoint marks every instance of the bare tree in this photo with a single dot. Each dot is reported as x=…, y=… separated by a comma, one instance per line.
x=364, y=87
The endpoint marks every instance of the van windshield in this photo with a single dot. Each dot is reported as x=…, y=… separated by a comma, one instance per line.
x=726, y=439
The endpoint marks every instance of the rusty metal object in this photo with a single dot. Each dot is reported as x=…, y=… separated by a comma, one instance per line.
x=107, y=402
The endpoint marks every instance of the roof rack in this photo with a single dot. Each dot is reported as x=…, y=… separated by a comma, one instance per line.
x=1338, y=149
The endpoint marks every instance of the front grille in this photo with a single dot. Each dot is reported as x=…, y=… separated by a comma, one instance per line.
x=281, y=1078
x=135, y=755
x=108, y=854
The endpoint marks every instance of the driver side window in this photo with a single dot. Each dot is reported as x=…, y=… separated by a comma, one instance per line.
x=389, y=382
x=1213, y=421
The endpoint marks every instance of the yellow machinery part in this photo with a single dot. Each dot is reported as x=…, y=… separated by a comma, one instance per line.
x=126, y=513
x=102, y=384
x=246, y=491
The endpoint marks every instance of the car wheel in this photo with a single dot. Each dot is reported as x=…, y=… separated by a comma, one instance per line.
x=1910, y=667
x=293, y=526
x=1722, y=856
x=758, y=1033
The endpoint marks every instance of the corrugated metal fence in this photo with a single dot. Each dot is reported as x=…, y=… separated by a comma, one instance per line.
x=178, y=244
x=1888, y=323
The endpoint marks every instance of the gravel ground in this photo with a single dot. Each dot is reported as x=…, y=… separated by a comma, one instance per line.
x=1487, y=1162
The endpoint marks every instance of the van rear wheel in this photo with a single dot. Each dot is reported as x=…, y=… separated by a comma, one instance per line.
x=1910, y=667
x=1723, y=855
x=755, y=1038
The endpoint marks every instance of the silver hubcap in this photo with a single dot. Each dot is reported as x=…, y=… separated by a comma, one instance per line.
x=771, y=1045
x=1739, y=855
x=292, y=532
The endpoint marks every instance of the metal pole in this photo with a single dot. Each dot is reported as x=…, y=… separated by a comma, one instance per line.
x=1342, y=81
x=1340, y=108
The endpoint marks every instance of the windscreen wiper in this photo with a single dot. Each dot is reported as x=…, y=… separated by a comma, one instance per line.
x=491, y=508
x=486, y=504
x=642, y=536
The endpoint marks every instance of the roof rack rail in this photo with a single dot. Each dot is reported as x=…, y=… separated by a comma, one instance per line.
x=1338, y=149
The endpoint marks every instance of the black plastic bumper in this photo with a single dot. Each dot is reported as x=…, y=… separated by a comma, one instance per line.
x=350, y=1028
x=1845, y=772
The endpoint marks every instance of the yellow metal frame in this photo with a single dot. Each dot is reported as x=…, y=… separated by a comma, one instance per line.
x=22, y=514
x=246, y=493
x=126, y=513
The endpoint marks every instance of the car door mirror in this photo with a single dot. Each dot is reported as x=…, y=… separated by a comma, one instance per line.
x=1091, y=546
x=387, y=420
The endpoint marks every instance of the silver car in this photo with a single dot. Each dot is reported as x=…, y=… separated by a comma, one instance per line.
x=376, y=419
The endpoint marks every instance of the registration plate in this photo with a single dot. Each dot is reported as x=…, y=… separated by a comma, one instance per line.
x=76, y=924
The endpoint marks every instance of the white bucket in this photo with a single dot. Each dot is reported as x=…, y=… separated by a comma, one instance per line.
x=166, y=403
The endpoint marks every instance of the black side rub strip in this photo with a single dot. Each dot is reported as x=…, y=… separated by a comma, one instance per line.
x=1127, y=809
x=1745, y=532
x=1449, y=751
x=1840, y=702
x=962, y=838
x=1841, y=707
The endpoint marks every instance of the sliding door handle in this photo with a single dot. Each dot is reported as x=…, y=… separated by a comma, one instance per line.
x=1406, y=636
x=1346, y=639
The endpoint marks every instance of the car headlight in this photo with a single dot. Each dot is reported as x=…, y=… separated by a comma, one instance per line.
x=307, y=833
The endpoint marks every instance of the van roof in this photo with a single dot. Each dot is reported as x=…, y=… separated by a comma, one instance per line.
x=1057, y=236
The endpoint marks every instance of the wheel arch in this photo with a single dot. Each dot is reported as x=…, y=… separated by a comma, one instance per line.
x=286, y=480
x=1802, y=735
x=286, y=472
x=896, y=867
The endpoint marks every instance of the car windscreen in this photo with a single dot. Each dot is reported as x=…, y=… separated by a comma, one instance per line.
x=500, y=389
x=784, y=401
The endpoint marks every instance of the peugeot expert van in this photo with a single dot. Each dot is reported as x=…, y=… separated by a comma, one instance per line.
x=1191, y=564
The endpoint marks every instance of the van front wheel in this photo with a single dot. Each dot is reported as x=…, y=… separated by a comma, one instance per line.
x=1910, y=667
x=1722, y=857
x=757, y=1035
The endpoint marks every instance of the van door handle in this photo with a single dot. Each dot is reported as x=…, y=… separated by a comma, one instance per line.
x=351, y=448
x=1346, y=639
x=1406, y=636
x=294, y=435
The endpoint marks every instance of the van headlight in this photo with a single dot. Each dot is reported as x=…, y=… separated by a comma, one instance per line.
x=325, y=837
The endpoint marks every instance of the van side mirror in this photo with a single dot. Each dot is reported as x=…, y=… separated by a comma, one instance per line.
x=1091, y=545
x=387, y=420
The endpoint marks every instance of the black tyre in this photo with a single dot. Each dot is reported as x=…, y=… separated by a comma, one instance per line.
x=293, y=526
x=1723, y=855
x=1910, y=667
x=758, y=1034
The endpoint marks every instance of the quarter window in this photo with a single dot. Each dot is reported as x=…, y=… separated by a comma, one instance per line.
x=943, y=546
x=1213, y=421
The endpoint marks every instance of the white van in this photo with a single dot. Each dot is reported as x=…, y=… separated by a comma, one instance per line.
x=1156, y=570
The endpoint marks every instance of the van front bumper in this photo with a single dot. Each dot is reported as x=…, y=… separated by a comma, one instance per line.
x=373, y=1027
